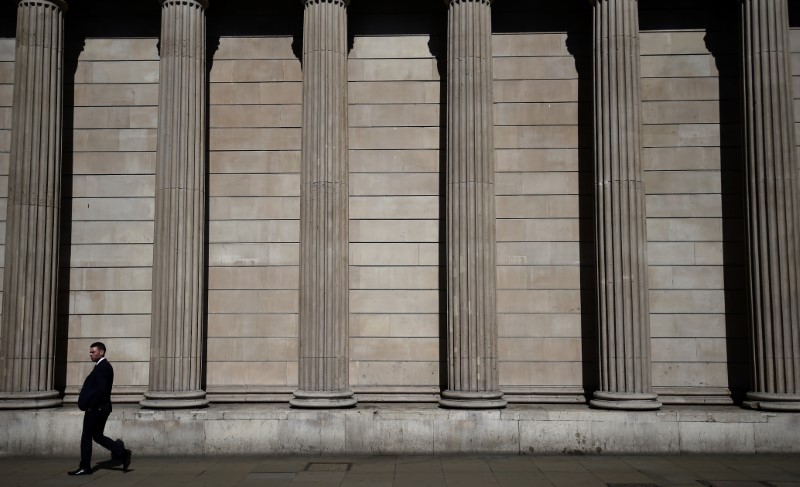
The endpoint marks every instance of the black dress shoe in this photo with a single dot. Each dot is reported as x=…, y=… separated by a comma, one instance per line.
x=81, y=471
x=126, y=460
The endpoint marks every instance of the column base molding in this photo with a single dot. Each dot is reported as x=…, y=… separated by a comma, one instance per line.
x=323, y=399
x=766, y=401
x=174, y=399
x=626, y=401
x=472, y=400
x=30, y=400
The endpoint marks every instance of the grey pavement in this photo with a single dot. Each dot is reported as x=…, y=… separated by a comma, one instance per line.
x=414, y=471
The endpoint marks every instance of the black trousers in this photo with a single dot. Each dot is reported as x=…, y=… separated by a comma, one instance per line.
x=94, y=422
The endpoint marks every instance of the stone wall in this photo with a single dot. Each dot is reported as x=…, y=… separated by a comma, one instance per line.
x=543, y=117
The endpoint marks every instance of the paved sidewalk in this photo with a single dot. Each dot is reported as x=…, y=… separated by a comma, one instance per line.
x=460, y=471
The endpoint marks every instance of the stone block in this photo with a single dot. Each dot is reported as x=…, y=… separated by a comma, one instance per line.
x=537, y=160
x=250, y=374
x=405, y=115
x=709, y=253
x=394, y=161
x=394, y=373
x=529, y=91
x=252, y=301
x=539, y=373
x=538, y=301
x=538, y=253
x=394, y=301
x=127, y=94
x=680, y=89
x=684, y=205
x=685, y=182
x=111, y=279
x=399, y=254
x=540, y=349
x=688, y=42
x=255, y=70
x=530, y=68
x=8, y=47
x=110, y=140
x=251, y=324
x=690, y=374
x=394, y=207
x=117, y=255
x=687, y=301
x=712, y=437
x=559, y=230
x=117, y=72
x=683, y=325
x=254, y=185
x=685, y=66
x=114, y=163
x=232, y=231
x=391, y=277
x=538, y=277
x=280, y=277
x=253, y=254
x=393, y=92
x=681, y=135
x=120, y=117
x=565, y=113
x=394, y=325
x=394, y=231
x=394, y=184
x=239, y=162
x=419, y=69
x=109, y=302
x=255, y=116
x=137, y=49
x=390, y=47
x=6, y=95
x=777, y=434
x=684, y=229
x=254, y=208
x=271, y=138
x=370, y=432
x=469, y=431
x=539, y=325
x=535, y=137
x=119, y=349
x=527, y=44
x=116, y=326
x=688, y=350
x=418, y=349
x=394, y=138
x=272, y=47
x=676, y=112
x=252, y=349
x=266, y=93
x=113, y=186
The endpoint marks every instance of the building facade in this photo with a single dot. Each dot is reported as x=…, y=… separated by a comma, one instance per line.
x=473, y=202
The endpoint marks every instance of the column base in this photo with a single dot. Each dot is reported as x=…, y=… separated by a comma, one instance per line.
x=323, y=399
x=174, y=399
x=472, y=400
x=766, y=401
x=626, y=401
x=30, y=400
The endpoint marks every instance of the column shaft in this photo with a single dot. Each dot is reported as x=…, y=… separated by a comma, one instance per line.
x=773, y=226
x=471, y=247
x=622, y=304
x=324, y=234
x=30, y=282
x=177, y=339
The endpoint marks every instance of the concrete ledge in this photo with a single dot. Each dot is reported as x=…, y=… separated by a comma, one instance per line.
x=422, y=429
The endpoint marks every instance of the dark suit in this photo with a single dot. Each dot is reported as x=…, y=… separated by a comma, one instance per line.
x=95, y=400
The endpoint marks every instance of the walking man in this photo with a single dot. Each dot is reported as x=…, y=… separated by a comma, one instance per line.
x=95, y=400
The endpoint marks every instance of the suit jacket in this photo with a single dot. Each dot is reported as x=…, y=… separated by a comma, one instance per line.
x=96, y=391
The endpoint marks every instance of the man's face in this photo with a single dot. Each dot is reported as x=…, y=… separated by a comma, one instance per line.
x=95, y=354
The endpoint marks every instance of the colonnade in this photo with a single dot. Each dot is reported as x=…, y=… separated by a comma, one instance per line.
x=176, y=363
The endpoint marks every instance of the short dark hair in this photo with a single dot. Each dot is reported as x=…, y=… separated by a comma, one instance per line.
x=98, y=345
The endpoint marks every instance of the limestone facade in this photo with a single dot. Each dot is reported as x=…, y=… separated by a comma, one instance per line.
x=692, y=219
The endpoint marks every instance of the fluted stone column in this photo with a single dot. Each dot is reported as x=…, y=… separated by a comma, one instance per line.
x=30, y=282
x=622, y=305
x=324, y=235
x=472, y=375
x=177, y=340
x=773, y=226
